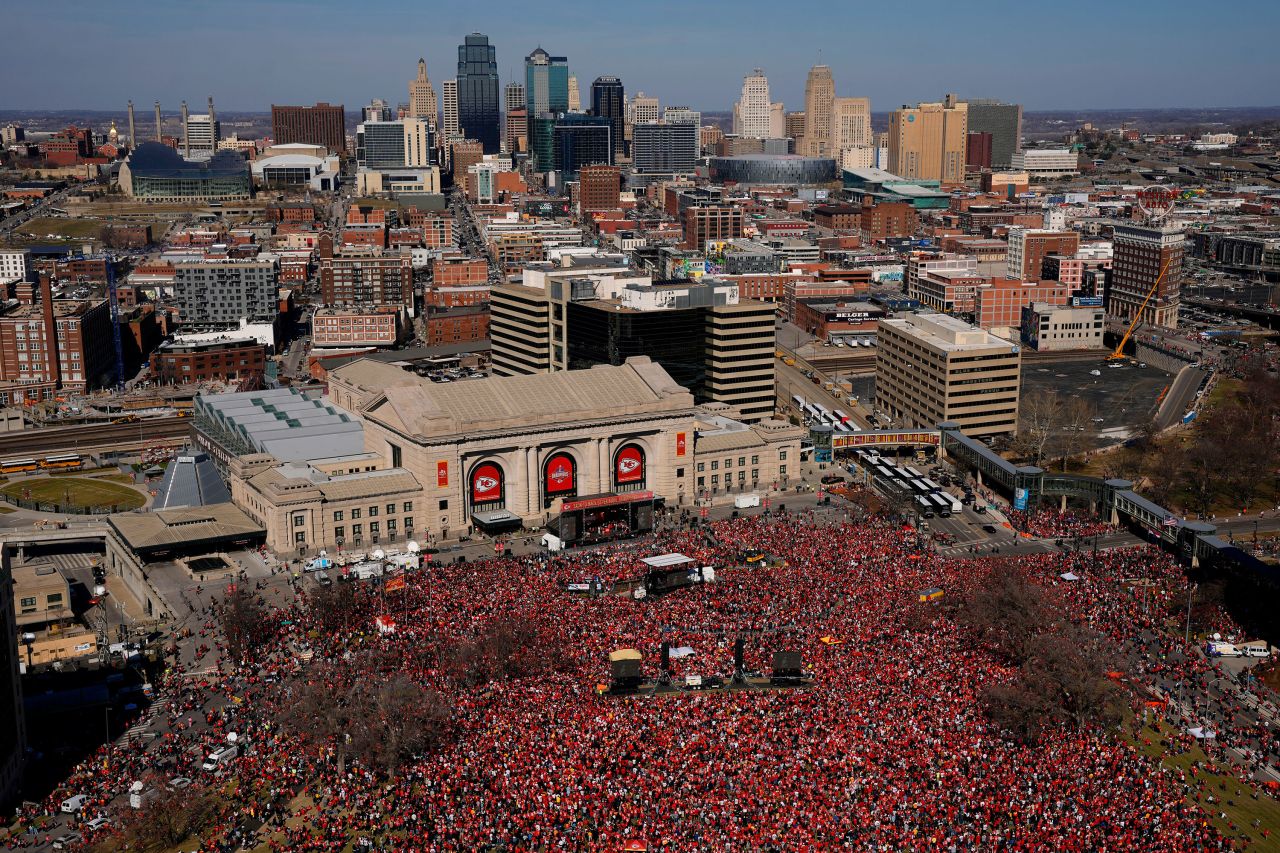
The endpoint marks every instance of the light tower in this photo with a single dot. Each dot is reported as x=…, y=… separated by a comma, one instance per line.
x=186, y=135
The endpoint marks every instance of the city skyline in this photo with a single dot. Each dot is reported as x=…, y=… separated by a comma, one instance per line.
x=1138, y=60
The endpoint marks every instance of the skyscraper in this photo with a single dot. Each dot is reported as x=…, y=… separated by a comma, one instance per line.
x=422, y=96
x=323, y=124
x=580, y=140
x=1003, y=122
x=606, y=101
x=1142, y=253
x=575, y=95
x=546, y=90
x=753, y=114
x=664, y=147
x=851, y=130
x=449, y=99
x=929, y=142
x=517, y=118
x=478, y=110
x=819, y=109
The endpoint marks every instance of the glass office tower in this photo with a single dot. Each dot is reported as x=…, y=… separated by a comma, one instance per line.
x=607, y=102
x=546, y=91
x=479, y=115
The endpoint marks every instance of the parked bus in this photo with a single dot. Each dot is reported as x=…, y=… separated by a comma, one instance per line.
x=914, y=473
x=844, y=419
x=18, y=466
x=926, y=509
x=933, y=487
x=62, y=462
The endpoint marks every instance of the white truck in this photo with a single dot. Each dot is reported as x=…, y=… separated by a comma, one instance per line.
x=744, y=501
x=1219, y=649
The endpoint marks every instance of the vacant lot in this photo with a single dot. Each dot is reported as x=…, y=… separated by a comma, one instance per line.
x=78, y=491
x=71, y=229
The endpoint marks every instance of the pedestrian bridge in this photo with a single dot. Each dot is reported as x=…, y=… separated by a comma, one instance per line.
x=1026, y=486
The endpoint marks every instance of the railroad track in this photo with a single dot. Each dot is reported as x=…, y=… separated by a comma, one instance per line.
x=84, y=439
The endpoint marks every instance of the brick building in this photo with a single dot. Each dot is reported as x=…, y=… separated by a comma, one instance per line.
x=598, y=187
x=176, y=363
x=437, y=231
x=457, y=325
x=364, y=276
x=838, y=217
x=710, y=222
x=1028, y=248
x=341, y=327
x=77, y=356
x=999, y=302
x=888, y=219
x=454, y=272
x=323, y=124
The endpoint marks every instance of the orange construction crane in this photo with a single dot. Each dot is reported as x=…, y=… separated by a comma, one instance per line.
x=1119, y=355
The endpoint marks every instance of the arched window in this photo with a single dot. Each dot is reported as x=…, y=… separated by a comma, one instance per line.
x=488, y=487
x=629, y=468
x=559, y=477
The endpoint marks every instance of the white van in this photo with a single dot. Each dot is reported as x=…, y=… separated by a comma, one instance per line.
x=71, y=805
x=220, y=758
x=1222, y=650
x=1256, y=649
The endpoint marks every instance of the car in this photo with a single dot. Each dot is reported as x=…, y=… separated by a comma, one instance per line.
x=97, y=823
x=989, y=528
x=177, y=783
x=69, y=841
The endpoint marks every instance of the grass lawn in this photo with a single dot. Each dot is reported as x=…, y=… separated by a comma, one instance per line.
x=76, y=229
x=384, y=203
x=1241, y=810
x=82, y=492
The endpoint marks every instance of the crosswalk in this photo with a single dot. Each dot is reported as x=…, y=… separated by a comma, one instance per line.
x=67, y=562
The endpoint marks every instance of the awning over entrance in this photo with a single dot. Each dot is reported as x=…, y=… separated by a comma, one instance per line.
x=496, y=520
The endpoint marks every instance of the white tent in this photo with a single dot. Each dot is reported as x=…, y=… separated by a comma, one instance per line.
x=667, y=561
x=1069, y=576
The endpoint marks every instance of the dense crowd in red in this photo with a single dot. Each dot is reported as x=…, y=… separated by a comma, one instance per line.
x=1052, y=524
x=888, y=750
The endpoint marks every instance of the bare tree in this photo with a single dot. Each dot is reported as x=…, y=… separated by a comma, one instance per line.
x=1077, y=421
x=399, y=718
x=1006, y=611
x=168, y=818
x=1040, y=416
x=244, y=622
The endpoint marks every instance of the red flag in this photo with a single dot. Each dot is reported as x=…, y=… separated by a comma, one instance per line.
x=395, y=583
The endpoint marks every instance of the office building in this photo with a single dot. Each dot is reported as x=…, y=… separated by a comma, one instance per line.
x=324, y=124
x=581, y=140
x=546, y=89
x=930, y=141
x=422, y=96
x=851, y=131
x=1028, y=248
x=449, y=111
x=643, y=108
x=1141, y=254
x=682, y=115
x=1047, y=163
x=932, y=368
x=703, y=223
x=664, y=148
x=409, y=142
x=607, y=100
x=478, y=109
x=712, y=342
x=156, y=172
x=1003, y=122
x=819, y=113
x=200, y=133
x=754, y=114
x=15, y=265
x=598, y=187
x=514, y=137
x=1047, y=327
x=222, y=293
x=352, y=328
x=353, y=276
x=793, y=126
x=13, y=732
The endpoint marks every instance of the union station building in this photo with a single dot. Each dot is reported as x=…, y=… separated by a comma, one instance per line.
x=590, y=453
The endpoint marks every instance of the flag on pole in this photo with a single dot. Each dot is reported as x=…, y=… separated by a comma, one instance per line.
x=395, y=584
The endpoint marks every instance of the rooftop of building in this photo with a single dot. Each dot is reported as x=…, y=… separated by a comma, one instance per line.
x=376, y=310
x=215, y=523
x=283, y=422
x=191, y=480
x=12, y=309
x=179, y=347
x=427, y=410
x=156, y=160
x=944, y=332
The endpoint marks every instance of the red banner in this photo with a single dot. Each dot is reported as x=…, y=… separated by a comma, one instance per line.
x=606, y=500
x=559, y=475
x=628, y=465
x=442, y=474
x=680, y=444
x=395, y=584
x=486, y=483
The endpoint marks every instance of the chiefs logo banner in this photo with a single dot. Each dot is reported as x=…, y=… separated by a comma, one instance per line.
x=560, y=474
x=442, y=474
x=486, y=483
x=680, y=444
x=629, y=466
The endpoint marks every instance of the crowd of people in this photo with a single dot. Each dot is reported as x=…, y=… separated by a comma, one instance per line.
x=888, y=749
x=1056, y=524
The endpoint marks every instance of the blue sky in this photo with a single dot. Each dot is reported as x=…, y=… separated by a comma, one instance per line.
x=92, y=54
